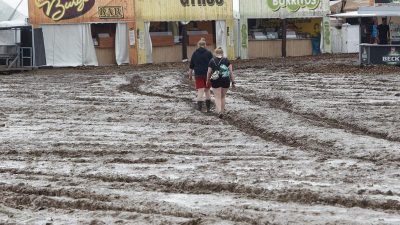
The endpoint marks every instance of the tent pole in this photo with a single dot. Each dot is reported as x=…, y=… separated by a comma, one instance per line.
x=284, y=27
x=33, y=47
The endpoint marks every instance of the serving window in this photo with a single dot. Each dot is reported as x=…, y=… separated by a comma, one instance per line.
x=170, y=33
x=104, y=35
x=269, y=29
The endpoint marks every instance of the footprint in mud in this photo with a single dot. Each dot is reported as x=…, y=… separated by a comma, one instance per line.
x=397, y=95
x=97, y=222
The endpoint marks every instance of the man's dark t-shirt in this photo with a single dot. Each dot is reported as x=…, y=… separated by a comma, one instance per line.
x=383, y=33
x=199, y=62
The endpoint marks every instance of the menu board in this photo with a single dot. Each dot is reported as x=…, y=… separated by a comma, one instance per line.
x=394, y=32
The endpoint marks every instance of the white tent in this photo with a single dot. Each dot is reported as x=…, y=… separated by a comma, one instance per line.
x=381, y=11
x=13, y=10
x=13, y=13
x=18, y=48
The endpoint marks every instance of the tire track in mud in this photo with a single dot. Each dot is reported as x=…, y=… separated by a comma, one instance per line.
x=304, y=143
x=155, y=150
x=327, y=148
x=154, y=183
x=286, y=106
x=24, y=196
x=54, y=192
x=303, y=196
x=244, y=125
x=18, y=200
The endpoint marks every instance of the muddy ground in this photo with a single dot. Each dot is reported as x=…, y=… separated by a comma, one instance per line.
x=308, y=140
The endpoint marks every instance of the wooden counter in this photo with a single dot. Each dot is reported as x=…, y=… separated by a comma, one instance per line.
x=106, y=56
x=273, y=48
x=298, y=47
x=173, y=53
x=265, y=48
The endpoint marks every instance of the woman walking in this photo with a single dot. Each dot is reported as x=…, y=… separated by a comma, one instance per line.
x=220, y=75
x=199, y=64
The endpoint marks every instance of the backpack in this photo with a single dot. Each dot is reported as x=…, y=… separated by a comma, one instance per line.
x=222, y=71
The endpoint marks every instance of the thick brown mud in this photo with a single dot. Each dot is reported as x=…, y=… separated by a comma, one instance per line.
x=305, y=140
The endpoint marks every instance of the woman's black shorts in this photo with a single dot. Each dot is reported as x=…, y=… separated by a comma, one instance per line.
x=221, y=83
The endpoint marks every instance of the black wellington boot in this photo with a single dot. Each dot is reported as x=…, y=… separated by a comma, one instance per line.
x=199, y=105
x=208, y=105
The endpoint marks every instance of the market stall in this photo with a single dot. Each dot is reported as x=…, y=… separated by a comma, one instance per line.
x=379, y=33
x=283, y=28
x=171, y=35
x=89, y=32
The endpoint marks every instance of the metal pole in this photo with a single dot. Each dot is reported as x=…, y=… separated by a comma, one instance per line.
x=360, y=41
x=284, y=27
x=184, y=43
x=33, y=47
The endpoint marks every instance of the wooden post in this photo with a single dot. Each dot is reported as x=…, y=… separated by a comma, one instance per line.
x=284, y=25
x=184, y=43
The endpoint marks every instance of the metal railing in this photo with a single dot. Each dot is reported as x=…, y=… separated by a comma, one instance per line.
x=26, y=54
x=16, y=57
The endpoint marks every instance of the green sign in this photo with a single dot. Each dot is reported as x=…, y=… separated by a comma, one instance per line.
x=244, y=36
x=293, y=5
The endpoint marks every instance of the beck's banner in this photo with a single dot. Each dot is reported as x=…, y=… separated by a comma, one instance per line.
x=79, y=11
x=387, y=55
x=387, y=2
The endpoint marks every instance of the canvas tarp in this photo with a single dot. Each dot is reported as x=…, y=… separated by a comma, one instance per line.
x=220, y=27
x=121, y=44
x=148, y=44
x=69, y=45
x=13, y=10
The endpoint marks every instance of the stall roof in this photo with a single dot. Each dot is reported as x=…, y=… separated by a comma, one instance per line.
x=371, y=11
x=12, y=24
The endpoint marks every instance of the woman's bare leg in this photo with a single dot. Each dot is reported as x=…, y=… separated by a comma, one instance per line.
x=223, y=96
x=217, y=95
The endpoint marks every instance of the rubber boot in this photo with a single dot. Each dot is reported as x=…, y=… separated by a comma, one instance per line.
x=199, y=105
x=208, y=105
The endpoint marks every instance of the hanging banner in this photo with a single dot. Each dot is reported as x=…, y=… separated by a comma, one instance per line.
x=64, y=9
x=284, y=8
x=326, y=30
x=79, y=11
x=188, y=10
x=293, y=5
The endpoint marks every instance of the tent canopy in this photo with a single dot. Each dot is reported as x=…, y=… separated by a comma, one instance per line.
x=380, y=11
x=13, y=10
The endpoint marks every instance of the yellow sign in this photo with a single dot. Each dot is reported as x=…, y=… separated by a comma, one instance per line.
x=111, y=12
